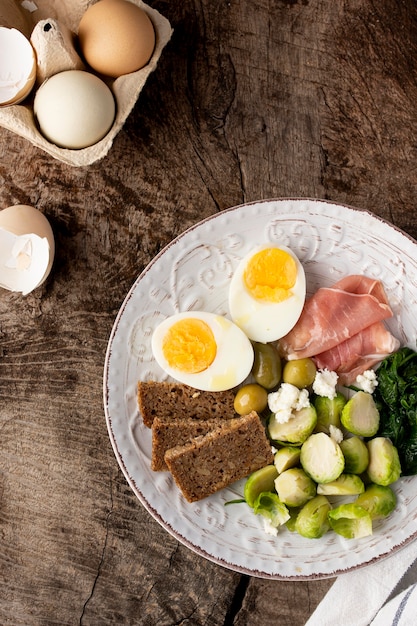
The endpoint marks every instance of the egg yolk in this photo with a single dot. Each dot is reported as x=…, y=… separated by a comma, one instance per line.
x=270, y=274
x=189, y=346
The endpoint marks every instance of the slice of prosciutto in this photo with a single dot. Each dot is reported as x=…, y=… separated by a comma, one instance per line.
x=359, y=353
x=335, y=314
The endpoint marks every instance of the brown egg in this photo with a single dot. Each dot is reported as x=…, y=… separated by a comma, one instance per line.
x=116, y=37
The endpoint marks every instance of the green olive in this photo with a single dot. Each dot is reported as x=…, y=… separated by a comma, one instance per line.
x=266, y=368
x=251, y=397
x=300, y=373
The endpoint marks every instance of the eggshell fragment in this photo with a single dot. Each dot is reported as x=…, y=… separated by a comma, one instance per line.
x=27, y=248
x=74, y=109
x=17, y=66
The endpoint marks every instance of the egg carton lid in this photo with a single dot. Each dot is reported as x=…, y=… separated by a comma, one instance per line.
x=126, y=89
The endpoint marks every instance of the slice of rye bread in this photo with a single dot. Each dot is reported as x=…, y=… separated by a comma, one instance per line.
x=213, y=461
x=166, y=399
x=169, y=432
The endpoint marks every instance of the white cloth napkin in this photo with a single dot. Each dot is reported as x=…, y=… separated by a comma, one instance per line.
x=401, y=610
x=357, y=598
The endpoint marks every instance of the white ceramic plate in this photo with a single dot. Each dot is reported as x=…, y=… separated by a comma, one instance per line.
x=193, y=272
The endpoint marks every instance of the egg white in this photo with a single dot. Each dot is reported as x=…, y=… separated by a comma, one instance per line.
x=233, y=361
x=260, y=320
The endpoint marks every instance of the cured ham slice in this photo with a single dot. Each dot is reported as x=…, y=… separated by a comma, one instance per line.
x=357, y=283
x=359, y=353
x=335, y=314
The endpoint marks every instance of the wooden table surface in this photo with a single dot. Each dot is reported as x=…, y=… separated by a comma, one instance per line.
x=250, y=100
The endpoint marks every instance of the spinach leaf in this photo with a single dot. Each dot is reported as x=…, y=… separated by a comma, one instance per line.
x=396, y=399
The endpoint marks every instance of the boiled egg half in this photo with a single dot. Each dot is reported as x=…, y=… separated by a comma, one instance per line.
x=267, y=292
x=203, y=350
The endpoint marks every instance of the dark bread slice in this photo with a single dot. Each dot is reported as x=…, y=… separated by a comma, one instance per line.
x=166, y=399
x=169, y=432
x=213, y=461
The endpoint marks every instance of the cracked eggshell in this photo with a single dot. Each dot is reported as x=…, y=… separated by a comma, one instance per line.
x=27, y=248
x=17, y=66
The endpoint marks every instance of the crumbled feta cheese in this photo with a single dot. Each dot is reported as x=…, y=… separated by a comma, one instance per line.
x=287, y=399
x=335, y=433
x=269, y=528
x=367, y=381
x=303, y=400
x=283, y=416
x=325, y=383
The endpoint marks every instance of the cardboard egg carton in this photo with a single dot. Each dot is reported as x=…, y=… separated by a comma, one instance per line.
x=126, y=89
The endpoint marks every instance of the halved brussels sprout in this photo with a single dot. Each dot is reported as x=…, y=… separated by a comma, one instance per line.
x=290, y=524
x=294, y=487
x=360, y=415
x=356, y=455
x=300, y=425
x=378, y=500
x=384, y=465
x=269, y=506
x=350, y=521
x=322, y=458
x=286, y=457
x=329, y=411
x=259, y=481
x=344, y=485
x=312, y=521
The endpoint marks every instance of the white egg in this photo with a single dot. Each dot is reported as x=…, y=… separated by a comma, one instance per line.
x=203, y=350
x=267, y=292
x=74, y=109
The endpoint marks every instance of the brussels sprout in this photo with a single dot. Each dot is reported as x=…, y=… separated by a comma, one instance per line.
x=251, y=397
x=290, y=524
x=350, y=521
x=300, y=373
x=286, y=457
x=312, y=521
x=269, y=506
x=300, y=425
x=329, y=411
x=378, y=500
x=259, y=481
x=356, y=455
x=266, y=368
x=344, y=485
x=360, y=415
x=294, y=487
x=322, y=458
x=384, y=464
